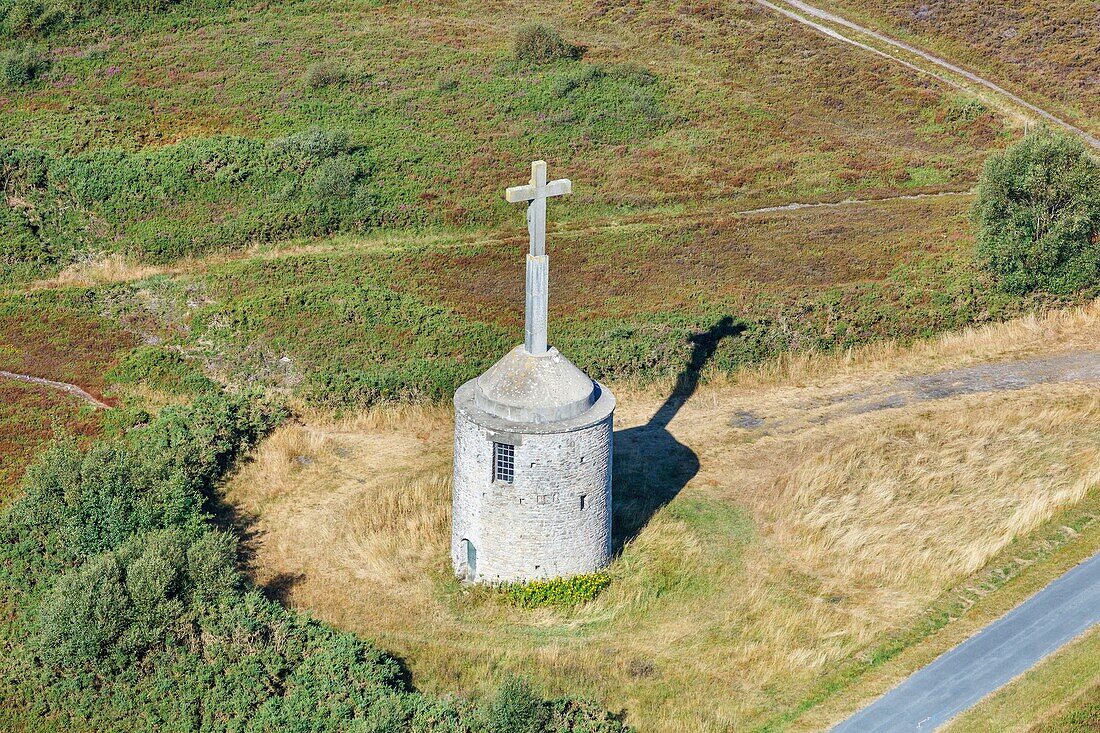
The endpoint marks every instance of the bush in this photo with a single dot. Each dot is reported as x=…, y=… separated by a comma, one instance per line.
x=160, y=204
x=539, y=43
x=447, y=83
x=335, y=179
x=162, y=370
x=85, y=613
x=1038, y=215
x=38, y=17
x=19, y=68
x=311, y=146
x=517, y=709
x=30, y=17
x=121, y=603
x=565, y=592
x=323, y=74
x=145, y=613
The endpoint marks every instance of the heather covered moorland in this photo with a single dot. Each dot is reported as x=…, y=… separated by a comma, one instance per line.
x=272, y=240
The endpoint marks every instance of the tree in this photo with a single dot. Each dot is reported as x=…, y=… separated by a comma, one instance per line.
x=1038, y=215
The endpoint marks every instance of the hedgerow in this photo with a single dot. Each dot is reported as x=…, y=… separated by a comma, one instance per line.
x=36, y=18
x=124, y=608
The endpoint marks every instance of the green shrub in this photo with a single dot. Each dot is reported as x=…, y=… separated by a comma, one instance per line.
x=311, y=146
x=124, y=602
x=39, y=17
x=447, y=83
x=336, y=178
x=19, y=68
x=160, y=204
x=564, y=592
x=540, y=43
x=30, y=17
x=158, y=624
x=79, y=504
x=607, y=105
x=1038, y=215
x=517, y=709
x=163, y=370
x=84, y=615
x=324, y=74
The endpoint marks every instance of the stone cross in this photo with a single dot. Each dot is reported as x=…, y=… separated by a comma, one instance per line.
x=538, y=264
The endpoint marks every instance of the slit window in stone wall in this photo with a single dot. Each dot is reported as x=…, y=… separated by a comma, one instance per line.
x=504, y=462
x=584, y=500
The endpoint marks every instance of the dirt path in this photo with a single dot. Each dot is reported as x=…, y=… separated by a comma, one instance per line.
x=63, y=386
x=1082, y=366
x=828, y=17
x=111, y=274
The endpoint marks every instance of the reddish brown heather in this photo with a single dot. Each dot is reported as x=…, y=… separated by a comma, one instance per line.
x=32, y=416
x=55, y=343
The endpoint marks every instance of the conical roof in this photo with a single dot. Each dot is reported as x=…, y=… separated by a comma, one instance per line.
x=529, y=388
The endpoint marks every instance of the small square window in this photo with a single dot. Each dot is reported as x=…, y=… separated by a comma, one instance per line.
x=504, y=462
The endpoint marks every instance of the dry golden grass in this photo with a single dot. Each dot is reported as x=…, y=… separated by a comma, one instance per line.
x=924, y=500
x=790, y=551
x=108, y=268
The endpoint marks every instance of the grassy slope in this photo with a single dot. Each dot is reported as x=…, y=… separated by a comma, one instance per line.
x=734, y=608
x=1045, y=51
x=1062, y=695
x=362, y=320
x=57, y=338
x=746, y=108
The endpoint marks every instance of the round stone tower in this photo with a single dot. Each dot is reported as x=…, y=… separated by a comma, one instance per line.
x=532, y=465
x=532, y=471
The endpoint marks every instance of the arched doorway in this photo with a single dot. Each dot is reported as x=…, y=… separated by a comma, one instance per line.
x=471, y=560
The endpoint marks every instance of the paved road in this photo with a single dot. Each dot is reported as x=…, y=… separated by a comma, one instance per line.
x=994, y=656
x=784, y=7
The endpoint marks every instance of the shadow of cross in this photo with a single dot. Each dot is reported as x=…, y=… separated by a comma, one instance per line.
x=651, y=466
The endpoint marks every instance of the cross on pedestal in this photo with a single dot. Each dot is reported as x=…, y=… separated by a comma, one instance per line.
x=538, y=263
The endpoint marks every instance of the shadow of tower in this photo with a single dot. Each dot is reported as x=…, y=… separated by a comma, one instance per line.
x=650, y=465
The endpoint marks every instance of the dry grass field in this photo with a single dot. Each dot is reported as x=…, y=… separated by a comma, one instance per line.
x=798, y=545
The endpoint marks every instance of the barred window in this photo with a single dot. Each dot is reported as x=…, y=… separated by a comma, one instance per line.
x=504, y=462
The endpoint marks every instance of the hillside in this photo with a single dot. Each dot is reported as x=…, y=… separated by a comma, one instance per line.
x=208, y=207
x=189, y=131
x=832, y=512
x=1045, y=51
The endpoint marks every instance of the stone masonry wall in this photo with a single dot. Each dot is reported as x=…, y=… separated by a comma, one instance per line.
x=534, y=527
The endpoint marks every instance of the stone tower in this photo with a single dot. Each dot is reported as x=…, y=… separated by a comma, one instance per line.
x=532, y=466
